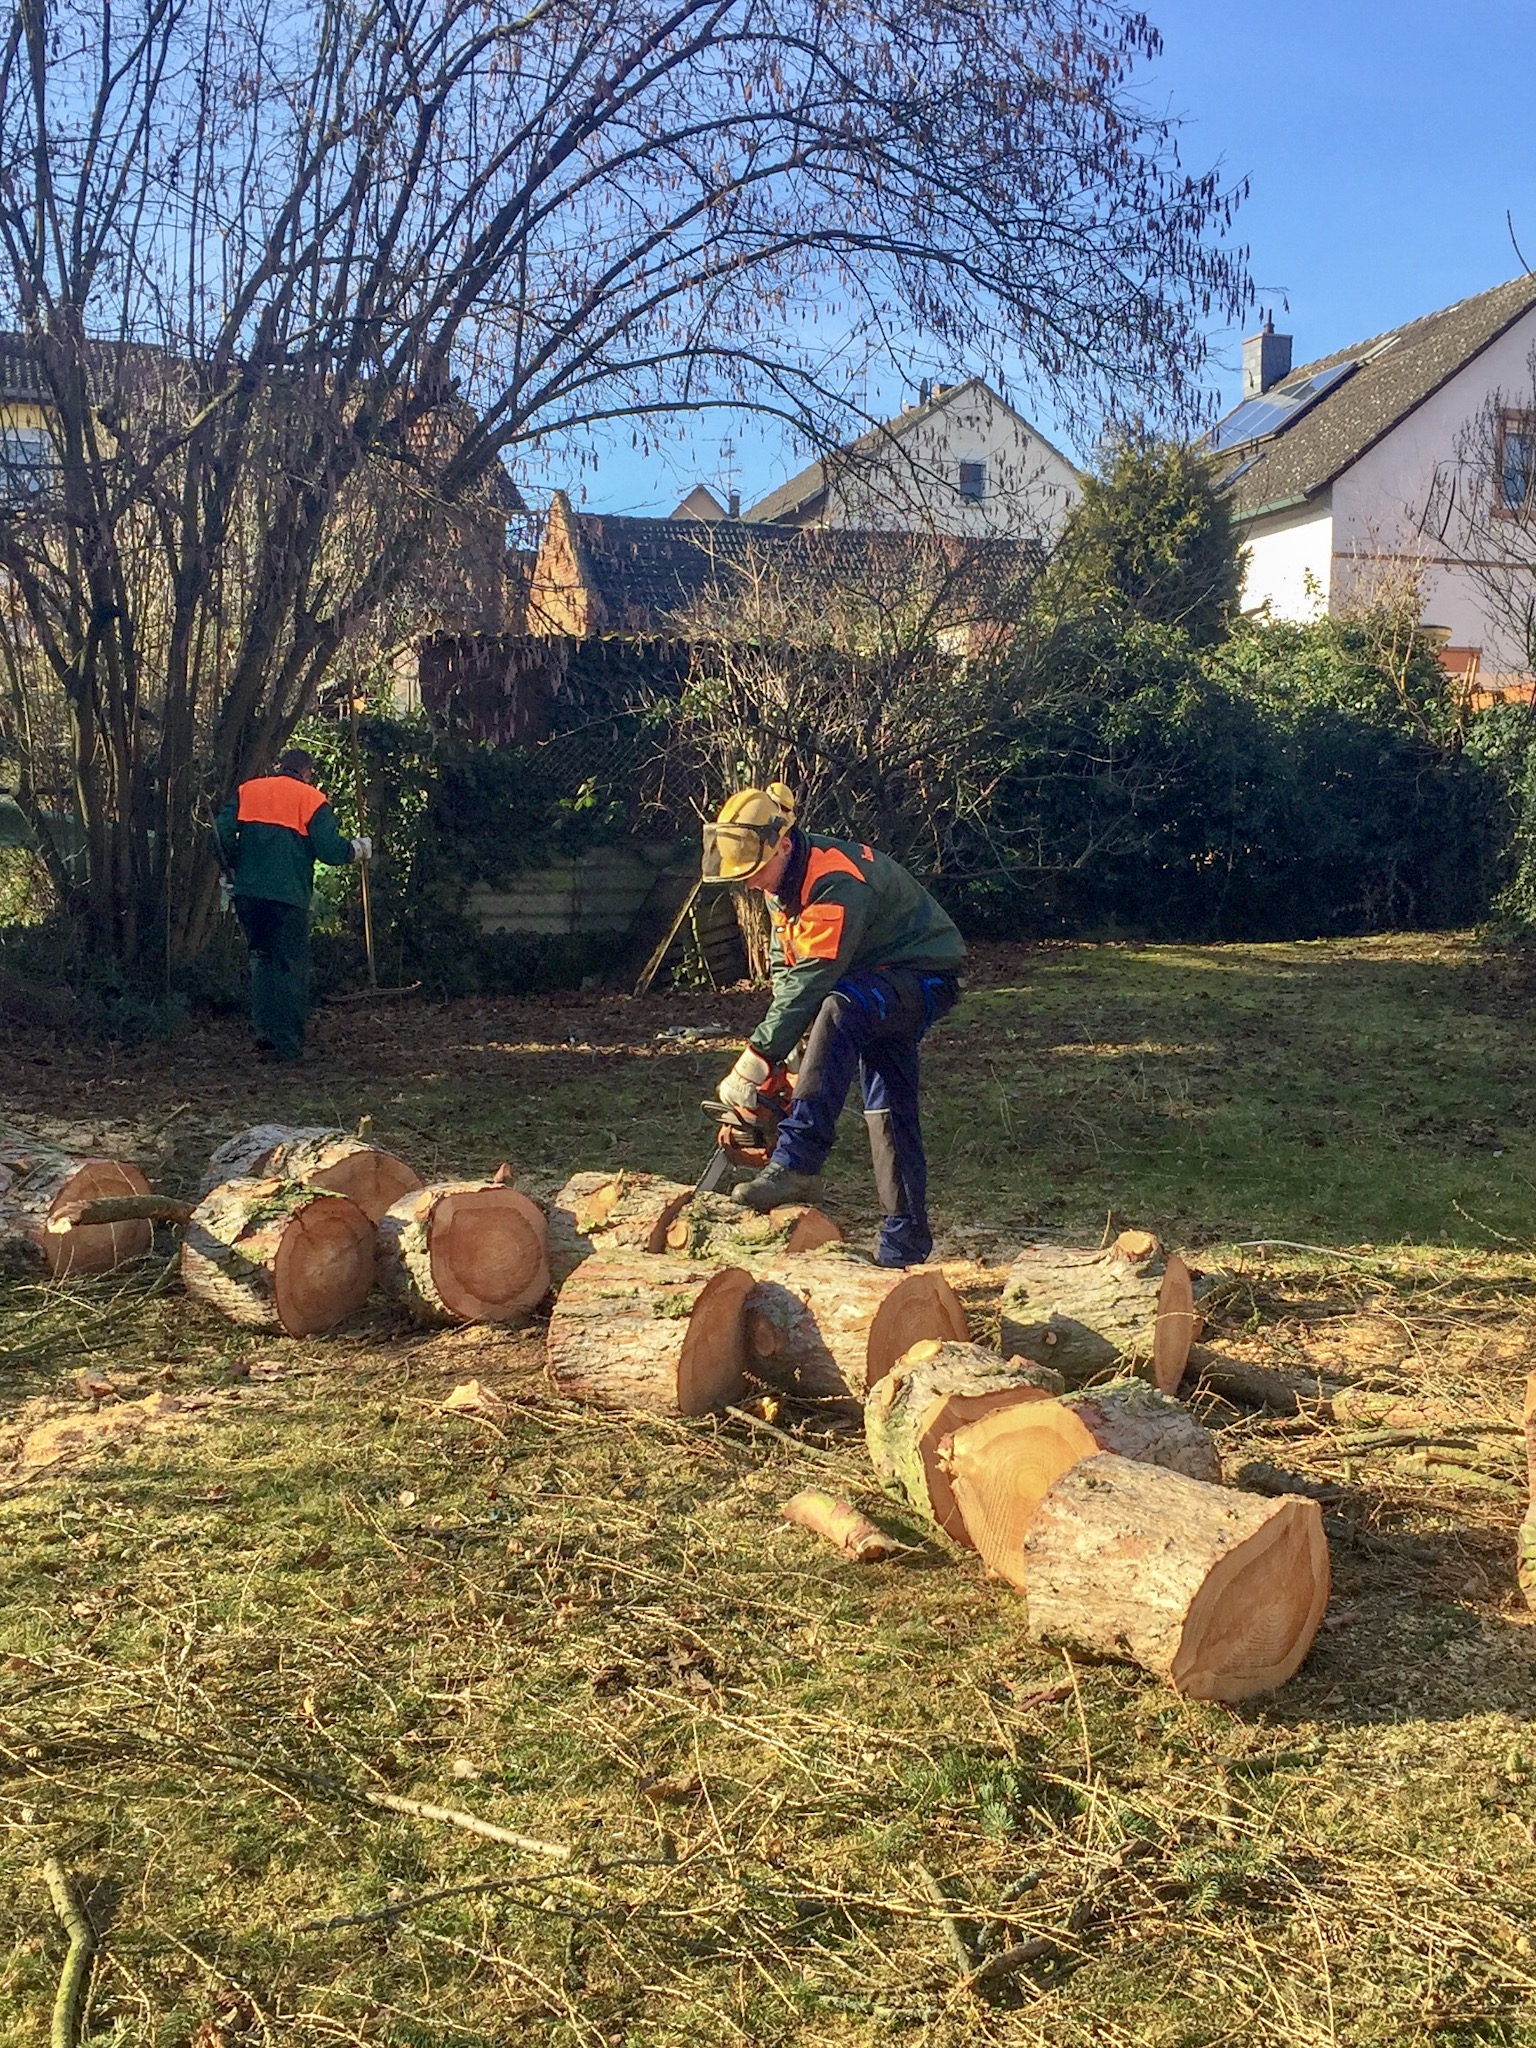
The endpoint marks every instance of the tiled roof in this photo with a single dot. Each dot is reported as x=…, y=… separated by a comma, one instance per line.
x=1404, y=368
x=20, y=374
x=645, y=571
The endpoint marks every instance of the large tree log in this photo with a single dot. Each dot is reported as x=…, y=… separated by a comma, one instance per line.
x=934, y=1390
x=42, y=1190
x=465, y=1251
x=610, y=1213
x=1218, y=1592
x=1129, y=1308
x=711, y=1227
x=279, y=1255
x=318, y=1156
x=641, y=1333
x=827, y=1326
x=1526, y=1540
x=1001, y=1467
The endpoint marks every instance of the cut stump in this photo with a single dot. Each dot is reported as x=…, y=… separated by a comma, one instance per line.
x=278, y=1255
x=1526, y=1539
x=42, y=1190
x=710, y=1227
x=1218, y=1593
x=828, y=1327
x=1129, y=1308
x=636, y=1333
x=934, y=1390
x=1001, y=1467
x=320, y=1158
x=465, y=1252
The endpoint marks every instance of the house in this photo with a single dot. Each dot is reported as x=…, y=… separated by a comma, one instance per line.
x=604, y=573
x=701, y=503
x=26, y=445
x=1401, y=464
x=960, y=461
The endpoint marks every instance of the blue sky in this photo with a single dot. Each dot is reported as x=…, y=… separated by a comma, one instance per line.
x=1384, y=141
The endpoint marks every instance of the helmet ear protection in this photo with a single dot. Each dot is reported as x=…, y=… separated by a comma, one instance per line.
x=749, y=831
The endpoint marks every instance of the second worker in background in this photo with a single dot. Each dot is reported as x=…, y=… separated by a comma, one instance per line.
x=865, y=960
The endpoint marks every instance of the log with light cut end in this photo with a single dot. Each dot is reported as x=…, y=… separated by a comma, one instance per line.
x=827, y=1326
x=1217, y=1592
x=612, y=1214
x=465, y=1252
x=840, y=1524
x=1001, y=1467
x=1525, y=1553
x=711, y=1227
x=318, y=1156
x=1128, y=1308
x=279, y=1255
x=935, y=1389
x=644, y=1333
x=42, y=1191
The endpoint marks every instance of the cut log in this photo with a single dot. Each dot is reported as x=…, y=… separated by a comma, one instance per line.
x=320, y=1158
x=934, y=1390
x=640, y=1333
x=828, y=1326
x=840, y=1524
x=1001, y=1467
x=612, y=1213
x=1526, y=1539
x=1253, y=1386
x=279, y=1255
x=43, y=1189
x=1219, y=1593
x=1129, y=1308
x=465, y=1251
x=710, y=1227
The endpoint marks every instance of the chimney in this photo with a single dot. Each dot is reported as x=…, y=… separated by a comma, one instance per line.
x=924, y=392
x=733, y=505
x=1266, y=359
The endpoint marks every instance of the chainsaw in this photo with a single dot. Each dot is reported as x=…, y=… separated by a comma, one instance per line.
x=745, y=1138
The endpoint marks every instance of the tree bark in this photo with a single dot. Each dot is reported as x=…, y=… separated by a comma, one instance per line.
x=934, y=1390
x=1002, y=1467
x=828, y=1327
x=642, y=1333
x=1130, y=1308
x=465, y=1251
x=710, y=1227
x=279, y=1255
x=43, y=1188
x=607, y=1213
x=320, y=1158
x=1219, y=1593
x=1526, y=1539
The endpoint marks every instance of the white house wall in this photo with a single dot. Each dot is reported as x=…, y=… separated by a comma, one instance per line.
x=1289, y=567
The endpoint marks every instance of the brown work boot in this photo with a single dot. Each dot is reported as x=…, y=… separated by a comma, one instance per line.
x=775, y=1186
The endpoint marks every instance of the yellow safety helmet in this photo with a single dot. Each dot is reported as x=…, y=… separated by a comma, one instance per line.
x=749, y=831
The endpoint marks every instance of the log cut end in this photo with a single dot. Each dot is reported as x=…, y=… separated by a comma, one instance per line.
x=95, y=1247
x=1253, y=1621
x=1173, y=1333
x=922, y=1307
x=323, y=1269
x=489, y=1254
x=374, y=1180
x=642, y=1333
x=711, y=1371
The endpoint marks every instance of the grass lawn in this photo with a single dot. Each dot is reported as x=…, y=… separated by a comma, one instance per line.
x=302, y=1582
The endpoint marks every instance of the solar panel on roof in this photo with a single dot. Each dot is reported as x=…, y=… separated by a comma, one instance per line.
x=1257, y=418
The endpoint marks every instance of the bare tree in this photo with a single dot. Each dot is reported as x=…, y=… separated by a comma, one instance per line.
x=295, y=277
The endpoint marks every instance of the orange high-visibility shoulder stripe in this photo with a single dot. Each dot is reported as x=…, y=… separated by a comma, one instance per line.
x=828, y=860
x=818, y=931
x=278, y=800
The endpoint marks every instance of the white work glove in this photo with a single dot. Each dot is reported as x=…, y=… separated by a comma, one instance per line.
x=739, y=1088
x=362, y=849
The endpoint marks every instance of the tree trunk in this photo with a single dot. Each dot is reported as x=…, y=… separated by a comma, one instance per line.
x=710, y=1227
x=465, y=1251
x=279, y=1255
x=1218, y=1592
x=1002, y=1466
x=608, y=1213
x=320, y=1158
x=1128, y=1308
x=42, y=1189
x=827, y=1327
x=640, y=1333
x=935, y=1389
x=1526, y=1539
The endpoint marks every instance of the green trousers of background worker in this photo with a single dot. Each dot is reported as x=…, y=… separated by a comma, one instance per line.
x=279, y=940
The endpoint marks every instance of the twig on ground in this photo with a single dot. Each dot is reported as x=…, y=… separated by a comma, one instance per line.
x=794, y=1443
x=453, y=1816
x=954, y=1929
x=77, y=1963
x=1007, y=1963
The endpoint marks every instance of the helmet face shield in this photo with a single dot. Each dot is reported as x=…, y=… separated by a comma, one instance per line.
x=732, y=852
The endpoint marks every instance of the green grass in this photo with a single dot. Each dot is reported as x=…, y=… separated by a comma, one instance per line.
x=594, y=1630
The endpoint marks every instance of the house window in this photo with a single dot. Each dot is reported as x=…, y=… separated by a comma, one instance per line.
x=1516, y=463
x=973, y=481
x=26, y=464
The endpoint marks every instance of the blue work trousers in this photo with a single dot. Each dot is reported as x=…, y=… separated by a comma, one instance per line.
x=872, y=1021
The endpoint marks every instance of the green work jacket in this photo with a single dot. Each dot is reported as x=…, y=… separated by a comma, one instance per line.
x=273, y=830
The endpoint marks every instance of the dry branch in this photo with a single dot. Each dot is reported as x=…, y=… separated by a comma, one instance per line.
x=75, y=1975
x=841, y=1525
